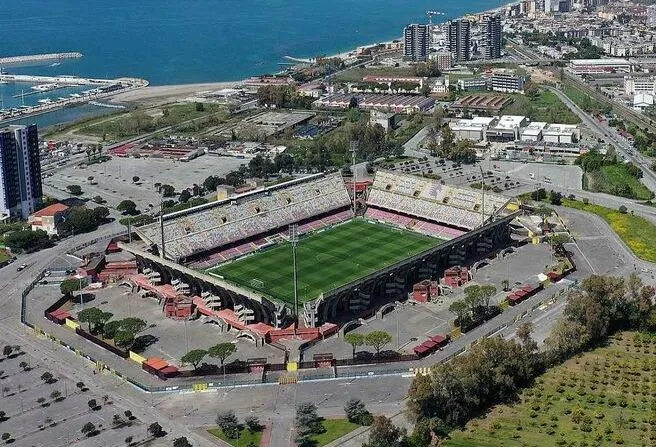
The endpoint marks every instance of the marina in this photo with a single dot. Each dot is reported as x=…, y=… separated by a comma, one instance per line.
x=102, y=89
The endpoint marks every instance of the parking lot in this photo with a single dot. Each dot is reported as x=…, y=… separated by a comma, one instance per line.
x=164, y=337
x=40, y=413
x=114, y=178
x=410, y=324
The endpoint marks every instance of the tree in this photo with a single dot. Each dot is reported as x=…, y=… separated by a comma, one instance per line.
x=354, y=339
x=353, y=103
x=623, y=209
x=181, y=442
x=127, y=207
x=55, y=395
x=135, y=179
x=167, y=190
x=524, y=332
x=195, y=356
x=199, y=106
x=88, y=429
x=377, y=339
x=506, y=285
x=99, y=199
x=253, y=424
x=47, y=377
x=185, y=195
x=90, y=315
x=487, y=292
x=74, y=190
x=555, y=198
x=124, y=339
x=459, y=308
x=68, y=286
x=27, y=240
x=559, y=239
x=92, y=404
x=210, y=183
x=384, y=434
x=356, y=411
x=133, y=324
x=6, y=350
x=307, y=422
x=228, y=423
x=24, y=365
x=222, y=351
x=156, y=430
x=109, y=329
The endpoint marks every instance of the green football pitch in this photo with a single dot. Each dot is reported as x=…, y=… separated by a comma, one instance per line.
x=325, y=260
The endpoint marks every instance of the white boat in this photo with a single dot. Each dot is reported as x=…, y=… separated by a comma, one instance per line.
x=45, y=87
x=75, y=95
x=45, y=101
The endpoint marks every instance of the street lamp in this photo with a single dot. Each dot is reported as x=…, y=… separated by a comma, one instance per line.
x=293, y=239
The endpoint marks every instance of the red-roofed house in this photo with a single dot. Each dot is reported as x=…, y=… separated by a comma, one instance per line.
x=49, y=218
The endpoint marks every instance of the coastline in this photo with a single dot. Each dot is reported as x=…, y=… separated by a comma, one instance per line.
x=171, y=91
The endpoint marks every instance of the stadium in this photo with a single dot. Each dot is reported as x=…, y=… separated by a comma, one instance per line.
x=235, y=256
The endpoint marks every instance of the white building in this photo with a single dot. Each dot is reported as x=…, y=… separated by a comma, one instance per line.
x=507, y=128
x=636, y=85
x=643, y=100
x=441, y=85
x=472, y=129
x=583, y=66
x=507, y=81
x=384, y=119
x=532, y=132
x=472, y=84
x=561, y=133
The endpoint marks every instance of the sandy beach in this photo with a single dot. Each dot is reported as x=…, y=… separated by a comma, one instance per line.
x=159, y=92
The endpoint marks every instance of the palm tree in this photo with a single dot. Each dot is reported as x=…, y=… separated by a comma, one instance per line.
x=88, y=151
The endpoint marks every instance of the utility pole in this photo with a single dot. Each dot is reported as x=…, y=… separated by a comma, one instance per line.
x=354, y=148
x=293, y=239
x=161, y=222
x=483, y=193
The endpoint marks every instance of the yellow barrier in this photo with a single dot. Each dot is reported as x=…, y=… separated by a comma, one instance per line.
x=424, y=371
x=287, y=380
x=292, y=366
x=71, y=323
x=137, y=358
x=197, y=387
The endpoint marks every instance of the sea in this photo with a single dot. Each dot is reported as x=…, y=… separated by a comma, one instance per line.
x=193, y=41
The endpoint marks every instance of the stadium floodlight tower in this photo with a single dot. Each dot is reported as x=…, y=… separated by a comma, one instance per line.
x=354, y=149
x=483, y=196
x=293, y=239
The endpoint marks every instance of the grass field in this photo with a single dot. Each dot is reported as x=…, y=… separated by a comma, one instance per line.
x=605, y=397
x=611, y=177
x=583, y=100
x=4, y=255
x=335, y=428
x=245, y=437
x=325, y=260
x=638, y=233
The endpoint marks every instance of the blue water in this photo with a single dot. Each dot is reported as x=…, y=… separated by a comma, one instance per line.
x=183, y=41
x=188, y=41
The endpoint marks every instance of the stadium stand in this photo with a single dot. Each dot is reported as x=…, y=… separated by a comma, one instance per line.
x=223, y=223
x=421, y=226
x=439, y=203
